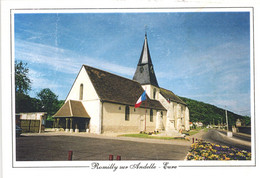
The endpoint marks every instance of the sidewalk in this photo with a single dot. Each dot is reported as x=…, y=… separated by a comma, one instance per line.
x=114, y=136
x=237, y=140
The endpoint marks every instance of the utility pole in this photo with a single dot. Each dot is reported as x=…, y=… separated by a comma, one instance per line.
x=227, y=120
x=229, y=134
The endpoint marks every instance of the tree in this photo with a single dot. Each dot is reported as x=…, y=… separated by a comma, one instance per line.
x=22, y=81
x=49, y=101
x=24, y=103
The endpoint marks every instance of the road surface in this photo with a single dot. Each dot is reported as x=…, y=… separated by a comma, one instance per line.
x=218, y=137
x=48, y=147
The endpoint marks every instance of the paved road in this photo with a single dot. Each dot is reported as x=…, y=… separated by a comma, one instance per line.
x=241, y=136
x=215, y=136
x=47, y=147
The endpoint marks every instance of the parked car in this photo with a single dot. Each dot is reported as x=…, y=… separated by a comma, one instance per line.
x=18, y=131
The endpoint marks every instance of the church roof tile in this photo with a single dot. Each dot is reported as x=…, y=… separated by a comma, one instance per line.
x=169, y=95
x=117, y=89
x=72, y=108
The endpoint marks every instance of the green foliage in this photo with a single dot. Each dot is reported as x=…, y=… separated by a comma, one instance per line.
x=60, y=103
x=192, y=132
x=24, y=103
x=207, y=113
x=22, y=82
x=49, y=101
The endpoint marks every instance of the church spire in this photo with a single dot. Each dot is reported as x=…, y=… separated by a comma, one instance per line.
x=145, y=55
x=144, y=73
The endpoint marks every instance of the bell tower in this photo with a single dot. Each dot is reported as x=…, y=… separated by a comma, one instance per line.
x=144, y=73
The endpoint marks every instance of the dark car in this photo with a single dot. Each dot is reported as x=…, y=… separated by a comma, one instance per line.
x=18, y=131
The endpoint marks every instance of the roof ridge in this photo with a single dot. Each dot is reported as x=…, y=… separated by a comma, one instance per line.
x=166, y=89
x=71, y=113
x=111, y=73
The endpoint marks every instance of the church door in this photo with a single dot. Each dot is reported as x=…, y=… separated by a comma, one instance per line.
x=142, y=124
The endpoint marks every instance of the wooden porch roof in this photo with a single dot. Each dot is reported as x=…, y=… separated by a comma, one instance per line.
x=72, y=108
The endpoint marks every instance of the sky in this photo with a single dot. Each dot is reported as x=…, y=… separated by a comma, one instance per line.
x=199, y=55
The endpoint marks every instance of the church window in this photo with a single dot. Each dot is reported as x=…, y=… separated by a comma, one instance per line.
x=151, y=115
x=127, y=113
x=119, y=108
x=81, y=92
x=151, y=69
x=141, y=69
x=154, y=93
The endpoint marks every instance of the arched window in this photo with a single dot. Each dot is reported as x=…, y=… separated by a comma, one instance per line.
x=81, y=92
x=154, y=93
x=151, y=115
x=127, y=113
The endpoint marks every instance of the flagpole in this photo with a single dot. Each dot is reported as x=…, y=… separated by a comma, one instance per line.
x=145, y=115
x=142, y=98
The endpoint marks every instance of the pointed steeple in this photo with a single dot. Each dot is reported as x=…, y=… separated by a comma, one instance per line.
x=145, y=55
x=144, y=73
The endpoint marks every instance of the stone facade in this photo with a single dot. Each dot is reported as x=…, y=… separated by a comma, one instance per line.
x=177, y=113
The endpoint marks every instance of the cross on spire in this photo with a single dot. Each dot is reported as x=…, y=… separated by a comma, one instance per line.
x=145, y=29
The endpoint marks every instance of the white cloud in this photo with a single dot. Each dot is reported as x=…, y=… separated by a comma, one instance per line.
x=39, y=80
x=63, y=60
x=238, y=103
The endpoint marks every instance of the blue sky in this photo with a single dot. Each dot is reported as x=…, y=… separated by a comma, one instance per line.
x=203, y=56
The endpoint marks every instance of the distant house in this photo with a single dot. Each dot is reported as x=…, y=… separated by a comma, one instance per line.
x=100, y=102
x=238, y=123
x=198, y=124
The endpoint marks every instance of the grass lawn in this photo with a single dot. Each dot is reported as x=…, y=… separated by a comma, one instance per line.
x=149, y=136
x=194, y=131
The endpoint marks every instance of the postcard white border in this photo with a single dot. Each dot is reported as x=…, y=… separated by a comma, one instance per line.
x=8, y=8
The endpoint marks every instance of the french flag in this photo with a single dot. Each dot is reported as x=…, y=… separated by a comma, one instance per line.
x=140, y=100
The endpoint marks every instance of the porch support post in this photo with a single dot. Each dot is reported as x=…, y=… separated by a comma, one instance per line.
x=76, y=127
x=67, y=124
x=71, y=122
x=54, y=123
x=58, y=124
x=86, y=126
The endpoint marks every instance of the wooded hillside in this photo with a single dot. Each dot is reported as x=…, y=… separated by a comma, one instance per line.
x=207, y=113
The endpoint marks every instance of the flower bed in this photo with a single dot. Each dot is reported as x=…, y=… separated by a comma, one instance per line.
x=202, y=150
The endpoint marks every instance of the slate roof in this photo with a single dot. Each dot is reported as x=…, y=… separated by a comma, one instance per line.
x=144, y=73
x=117, y=89
x=167, y=94
x=72, y=108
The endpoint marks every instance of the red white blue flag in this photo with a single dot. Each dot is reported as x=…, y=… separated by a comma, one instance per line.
x=140, y=100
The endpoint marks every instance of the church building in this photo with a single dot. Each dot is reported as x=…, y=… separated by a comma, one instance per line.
x=100, y=102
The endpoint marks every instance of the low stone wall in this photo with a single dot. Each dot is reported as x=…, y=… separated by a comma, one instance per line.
x=246, y=130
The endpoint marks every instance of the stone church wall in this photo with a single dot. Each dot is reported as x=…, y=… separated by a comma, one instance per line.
x=114, y=119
